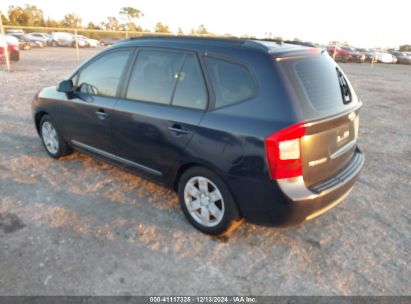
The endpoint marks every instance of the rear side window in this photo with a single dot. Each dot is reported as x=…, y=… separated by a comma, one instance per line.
x=190, y=91
x=102, y=76
x=154, y=76
x=232, y=82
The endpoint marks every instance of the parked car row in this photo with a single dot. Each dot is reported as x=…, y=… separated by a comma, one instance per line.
x=68, y=39
x=361, y=55
x=24, y=42
x=31, y=40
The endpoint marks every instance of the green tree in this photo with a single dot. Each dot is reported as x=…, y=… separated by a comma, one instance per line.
x=202, y=30
x=52, y=23
x=405, y=48
x=92, y=26
x=4, y=20
x=17, y=16
x=34, y=15
x=112, y=24
x=71, y=20
x=161, y=28
x=30, y=15
x=130, y=26
x=180, y=31
x=131, y=14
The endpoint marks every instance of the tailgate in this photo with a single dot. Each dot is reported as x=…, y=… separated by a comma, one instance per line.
x=328, y=147
x=324, y=98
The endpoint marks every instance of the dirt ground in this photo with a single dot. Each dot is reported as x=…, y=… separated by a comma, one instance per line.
x=78, y=226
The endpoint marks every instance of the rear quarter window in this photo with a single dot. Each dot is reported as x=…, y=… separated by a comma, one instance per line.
x=232, y=82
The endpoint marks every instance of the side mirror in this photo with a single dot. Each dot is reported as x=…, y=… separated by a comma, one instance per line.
x=66, y=86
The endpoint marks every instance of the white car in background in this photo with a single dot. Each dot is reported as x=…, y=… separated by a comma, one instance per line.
x=89, y=42
x=39, y=37
x=385, y=57
x=65, y=39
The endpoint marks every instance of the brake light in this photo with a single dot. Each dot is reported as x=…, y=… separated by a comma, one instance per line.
x=283, y=152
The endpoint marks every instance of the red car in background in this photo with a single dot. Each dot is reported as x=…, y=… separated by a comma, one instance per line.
x=338, y=54
x=346, y=54
x=12, y=45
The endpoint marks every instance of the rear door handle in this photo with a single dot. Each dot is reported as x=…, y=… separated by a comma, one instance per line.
x=101, y=114
x=177, y=130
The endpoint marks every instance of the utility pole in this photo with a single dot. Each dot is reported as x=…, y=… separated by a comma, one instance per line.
x=5, y=46
x=75, y=36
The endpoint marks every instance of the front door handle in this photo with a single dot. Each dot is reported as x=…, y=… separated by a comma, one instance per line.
x=101, y=114
x=177, y=130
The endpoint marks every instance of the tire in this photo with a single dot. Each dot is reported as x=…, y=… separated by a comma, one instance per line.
x=54, y=43
x=15, y=56
x=51, y=138
x=213, y=199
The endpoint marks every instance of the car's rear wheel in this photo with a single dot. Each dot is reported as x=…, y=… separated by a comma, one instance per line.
x=15, y=56
x=54, y=43
x=207, y=202
x=52, y=140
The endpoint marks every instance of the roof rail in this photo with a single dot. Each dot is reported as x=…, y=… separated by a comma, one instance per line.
x=279, y=41
x=230, y=39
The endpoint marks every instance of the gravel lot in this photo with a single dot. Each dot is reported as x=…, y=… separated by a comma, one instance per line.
x=81, y=227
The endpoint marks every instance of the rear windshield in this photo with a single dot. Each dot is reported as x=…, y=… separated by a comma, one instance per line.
x=320, y=85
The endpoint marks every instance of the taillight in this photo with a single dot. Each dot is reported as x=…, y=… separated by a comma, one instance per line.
x=283, y=152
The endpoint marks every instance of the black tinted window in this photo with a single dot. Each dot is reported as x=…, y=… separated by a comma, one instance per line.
x=154, y=76
x=232, y=82
x=102, y=76
x=190, y=91
x=319, y=80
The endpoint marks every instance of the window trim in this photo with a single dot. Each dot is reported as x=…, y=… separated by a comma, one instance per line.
x=204, y=83
x=138, y=49
x=76, y=75
x=228, y=59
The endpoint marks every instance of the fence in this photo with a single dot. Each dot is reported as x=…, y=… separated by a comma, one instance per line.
x=98, y=34
x=94, y=34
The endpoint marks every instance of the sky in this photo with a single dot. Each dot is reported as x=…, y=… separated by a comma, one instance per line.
x=362, y=23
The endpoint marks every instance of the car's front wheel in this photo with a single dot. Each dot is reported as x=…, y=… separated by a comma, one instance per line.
x=52, y=140
x=207, y=202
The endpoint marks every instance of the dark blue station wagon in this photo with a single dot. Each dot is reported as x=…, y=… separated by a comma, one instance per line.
x=241, y=129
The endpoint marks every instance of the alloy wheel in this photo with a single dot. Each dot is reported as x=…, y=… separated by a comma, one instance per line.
x=204, y=201
x=50, y=138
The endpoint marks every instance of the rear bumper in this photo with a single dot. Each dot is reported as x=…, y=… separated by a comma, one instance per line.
x=308, y=203
x=295, y=203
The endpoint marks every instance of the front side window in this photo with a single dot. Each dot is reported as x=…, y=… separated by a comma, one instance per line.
x=232, y=82
x=154, y=76
x=190, y=91
x=102, y=76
